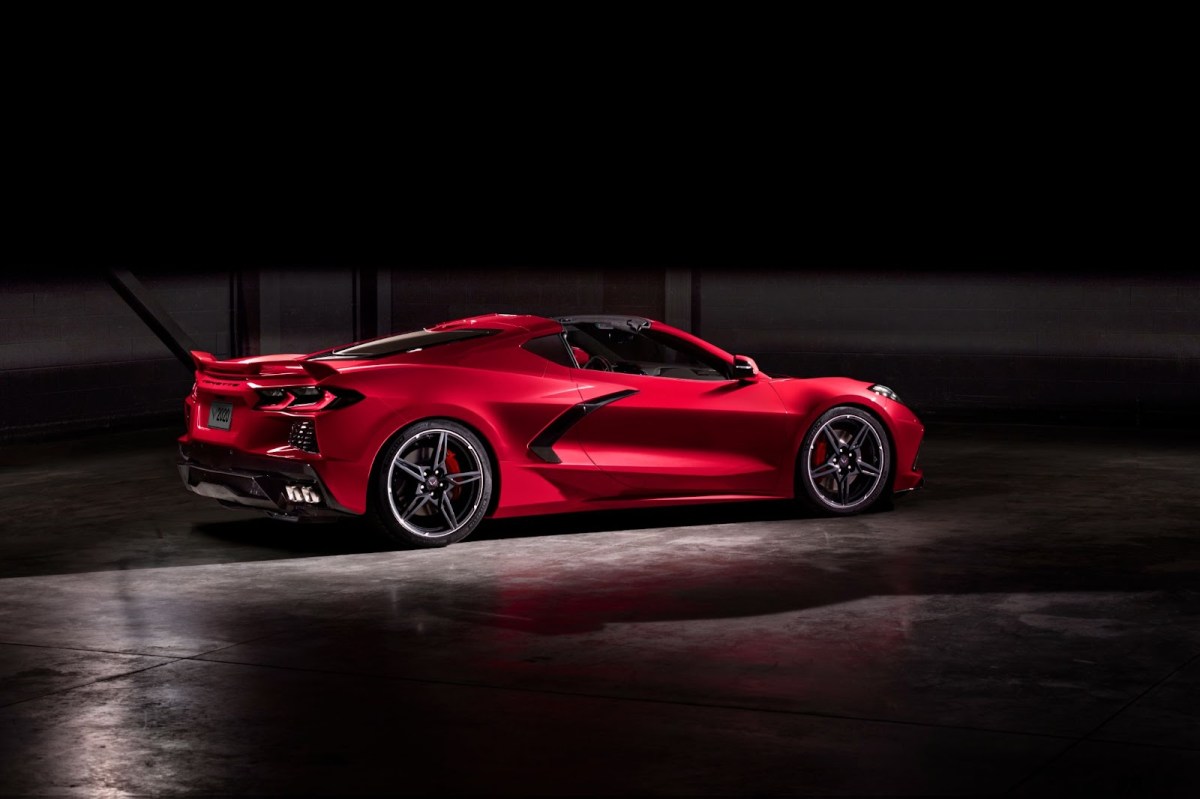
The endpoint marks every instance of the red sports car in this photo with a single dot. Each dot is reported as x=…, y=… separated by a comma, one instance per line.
x=428, y=432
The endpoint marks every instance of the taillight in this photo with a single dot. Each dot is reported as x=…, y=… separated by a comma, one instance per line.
x=271, y=398
x=308, y=398
x=309, y=395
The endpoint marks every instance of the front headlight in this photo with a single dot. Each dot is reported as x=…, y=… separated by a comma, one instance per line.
x=884, y=391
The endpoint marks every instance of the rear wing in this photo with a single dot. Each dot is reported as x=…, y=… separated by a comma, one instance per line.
x=207, y=363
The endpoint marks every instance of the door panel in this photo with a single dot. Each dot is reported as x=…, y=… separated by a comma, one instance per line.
x=679, y=437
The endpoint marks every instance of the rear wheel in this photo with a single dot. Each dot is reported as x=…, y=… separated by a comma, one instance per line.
x=844, y=466
x=433, y=484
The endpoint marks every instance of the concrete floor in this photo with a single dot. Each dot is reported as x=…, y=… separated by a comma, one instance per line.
x=1028, y=624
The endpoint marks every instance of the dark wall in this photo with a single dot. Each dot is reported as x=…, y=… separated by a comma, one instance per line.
x=1056, y=347
x=1045, y=347
x=302, y=309
x=75, y=357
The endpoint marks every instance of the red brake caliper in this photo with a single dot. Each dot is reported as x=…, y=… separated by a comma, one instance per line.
x=452, y=467
x=819, y=453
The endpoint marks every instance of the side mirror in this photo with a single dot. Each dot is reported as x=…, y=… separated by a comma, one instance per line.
x=744, y=367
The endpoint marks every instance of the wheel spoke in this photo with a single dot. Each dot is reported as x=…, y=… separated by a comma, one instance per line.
x=439, y=452
x=414, y=506
x=860, y=436
x=831, y=438
x=448, y=511
x=844, y=490
x=462, y=478
x=411, y=470
x=868, y=469
x=823, y=471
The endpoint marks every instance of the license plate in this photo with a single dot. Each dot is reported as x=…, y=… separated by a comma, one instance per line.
x=220, y=415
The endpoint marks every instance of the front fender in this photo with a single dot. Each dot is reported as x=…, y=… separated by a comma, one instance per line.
x=809, y=398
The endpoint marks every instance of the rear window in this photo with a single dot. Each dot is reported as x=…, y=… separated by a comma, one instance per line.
x=405, y=342
x=552, y=348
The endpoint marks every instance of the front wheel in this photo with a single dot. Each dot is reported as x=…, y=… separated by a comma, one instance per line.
x=844, y=464
x=433, y=484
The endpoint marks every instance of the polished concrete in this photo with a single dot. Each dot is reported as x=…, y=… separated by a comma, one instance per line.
x=1028, y=624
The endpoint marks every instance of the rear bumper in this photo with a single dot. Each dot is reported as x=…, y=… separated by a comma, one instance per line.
x=279, y=486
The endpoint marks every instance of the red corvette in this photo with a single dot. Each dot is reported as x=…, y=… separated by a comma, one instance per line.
x=429, y=431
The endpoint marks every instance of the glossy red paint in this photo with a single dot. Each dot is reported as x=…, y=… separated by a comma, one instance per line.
x=650, y=439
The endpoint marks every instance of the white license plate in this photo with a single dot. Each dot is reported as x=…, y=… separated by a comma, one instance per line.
x=220, y=415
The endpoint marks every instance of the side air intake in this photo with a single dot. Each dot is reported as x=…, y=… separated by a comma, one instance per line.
x=304, y=436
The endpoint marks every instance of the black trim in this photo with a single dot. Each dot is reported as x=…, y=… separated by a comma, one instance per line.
x=253, y=481
x=543, y=443
x=153, y=315
x=397, y=344
x=634, y=323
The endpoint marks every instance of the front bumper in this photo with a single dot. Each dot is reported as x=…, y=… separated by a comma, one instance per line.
x=281, y=487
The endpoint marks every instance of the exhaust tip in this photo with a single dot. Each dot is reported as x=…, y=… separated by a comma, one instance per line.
x=305, y=494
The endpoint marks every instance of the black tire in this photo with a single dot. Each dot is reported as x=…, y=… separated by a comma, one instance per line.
x=432, y=485
x=844, y=464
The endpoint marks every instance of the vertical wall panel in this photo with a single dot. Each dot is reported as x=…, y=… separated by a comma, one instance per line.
x=305, y=309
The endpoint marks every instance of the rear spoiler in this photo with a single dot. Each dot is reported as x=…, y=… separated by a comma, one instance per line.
x=206, y=362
